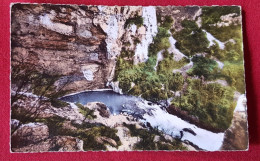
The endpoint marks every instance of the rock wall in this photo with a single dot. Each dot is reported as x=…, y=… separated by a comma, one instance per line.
x=236, y=136
x=179, y=13
x=80, y=43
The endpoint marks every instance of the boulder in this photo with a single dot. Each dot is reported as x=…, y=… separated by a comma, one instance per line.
x=57, y=143
x=14, y=124
x=30, y=133
x=103, y=110
x=104, y=140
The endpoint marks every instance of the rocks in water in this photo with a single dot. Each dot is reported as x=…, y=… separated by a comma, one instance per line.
x=190, y=131
x=100, y=109
x=56, y=143
x=115, y=87
x=103, y=110
x=29, y=134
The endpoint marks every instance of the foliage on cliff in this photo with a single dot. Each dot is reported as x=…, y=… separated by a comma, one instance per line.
x=211, y=103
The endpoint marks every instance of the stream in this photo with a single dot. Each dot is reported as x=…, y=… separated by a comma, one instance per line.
x=154, y=114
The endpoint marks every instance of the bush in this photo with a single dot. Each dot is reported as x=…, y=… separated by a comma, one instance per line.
x=58, y=103
x=147, y=139
x=211, y=15
x=137, y=20
x=204, y=67
x=89, y=137
x=191, y=39
x=212, y=103
x=86, y=112
x=167, y=23
x=234, y=75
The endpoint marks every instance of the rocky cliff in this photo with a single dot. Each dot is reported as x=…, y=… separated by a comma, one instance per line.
x=80, y=43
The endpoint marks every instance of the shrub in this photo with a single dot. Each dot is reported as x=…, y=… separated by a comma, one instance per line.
x=137, y=20
x=167, y=23
x=234, y=75
x=212, y=103
x=58, y=103
x=204, y=67
x=147, y=139
x=191, y=39
x=86, y=112
x=211, y=15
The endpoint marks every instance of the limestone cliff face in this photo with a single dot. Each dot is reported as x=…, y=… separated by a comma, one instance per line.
x=78, y=42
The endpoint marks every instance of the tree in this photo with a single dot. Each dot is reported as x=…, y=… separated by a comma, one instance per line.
x=33, y=89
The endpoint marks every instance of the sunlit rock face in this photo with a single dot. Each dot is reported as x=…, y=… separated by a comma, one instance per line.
x=65, y=40
x=61, y=40
x=150, y=23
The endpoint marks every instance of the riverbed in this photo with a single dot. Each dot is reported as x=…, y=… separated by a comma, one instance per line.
x=155, y=114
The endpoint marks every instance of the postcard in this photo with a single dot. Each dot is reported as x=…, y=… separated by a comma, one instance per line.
x=127, y=78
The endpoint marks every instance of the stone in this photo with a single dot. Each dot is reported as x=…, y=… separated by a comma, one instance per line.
x=14, y=124
x=29, y=134
x=103, y=110
x=56, y=143
x=100, y=109
x=103, y=140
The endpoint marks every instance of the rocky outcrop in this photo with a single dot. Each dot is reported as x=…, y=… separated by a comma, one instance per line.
x=236, y=136
x=103, y=140
x=14, y=124
x=61, y=39
x=57, y=143
x=112, y=20
x=227, y=20
x=179, y=13
x=78, y=43
x=101, y=110
x=30, y=133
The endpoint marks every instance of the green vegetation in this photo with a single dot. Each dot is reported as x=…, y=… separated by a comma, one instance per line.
x=126, y=53
x=234, y=75
x=232, y=55
x=191, y=39
x=212, y=103
x=205, y=67
x=148, y=83
x=90, y=137
x=160, y=42
x=55, y=125
x=147, y=139
x=86, y=112
x=166, y=66
x=90, y=134
x=136, y=41
x=212, y=14
x=137, y=20
x=167, y=23
x=58, y=103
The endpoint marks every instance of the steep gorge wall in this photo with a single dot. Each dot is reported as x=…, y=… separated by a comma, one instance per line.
x=80, y=43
